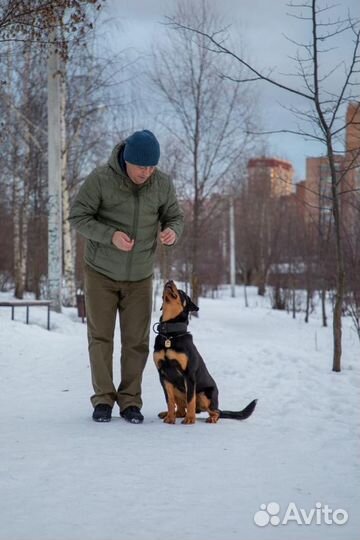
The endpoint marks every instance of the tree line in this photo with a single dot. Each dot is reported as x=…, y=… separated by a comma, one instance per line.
x=207, y=118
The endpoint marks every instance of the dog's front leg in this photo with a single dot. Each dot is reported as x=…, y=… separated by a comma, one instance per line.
x=170, y=417
x=190, y=417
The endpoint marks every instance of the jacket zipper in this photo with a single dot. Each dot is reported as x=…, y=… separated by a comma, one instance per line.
x=135, y=224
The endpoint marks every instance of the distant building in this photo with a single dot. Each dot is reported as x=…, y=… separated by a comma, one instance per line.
x=351, y=184
x=272, y=176
x=317, y=190
x=301, y=191
x=352, y=136
x=318, y=196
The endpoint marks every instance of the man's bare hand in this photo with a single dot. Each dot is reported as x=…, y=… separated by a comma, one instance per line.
x=122, y=241
x=167, y=237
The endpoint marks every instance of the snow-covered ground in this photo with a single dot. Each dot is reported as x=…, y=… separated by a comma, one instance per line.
x=64, y=477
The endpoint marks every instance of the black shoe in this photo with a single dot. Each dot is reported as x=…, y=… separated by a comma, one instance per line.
x=102, y=413
x=132, y=414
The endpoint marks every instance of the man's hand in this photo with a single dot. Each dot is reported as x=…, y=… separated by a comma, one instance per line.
x=167, y=237
x=122, y=241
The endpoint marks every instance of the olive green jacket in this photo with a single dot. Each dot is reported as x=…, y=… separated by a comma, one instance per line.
x=109, y=201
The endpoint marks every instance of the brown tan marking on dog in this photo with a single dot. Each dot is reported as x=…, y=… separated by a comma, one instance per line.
x=158, y=357
x=213, y=417
x=203, y=405
x=202, y=402
x=172, y=304
x=170, y=417
x=182, y=358
x=190, y=417
x=180, y=400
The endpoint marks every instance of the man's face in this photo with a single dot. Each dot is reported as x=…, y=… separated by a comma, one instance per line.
x=138, y=174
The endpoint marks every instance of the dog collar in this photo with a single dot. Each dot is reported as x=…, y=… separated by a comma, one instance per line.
x=165, y=329
x=170, y=328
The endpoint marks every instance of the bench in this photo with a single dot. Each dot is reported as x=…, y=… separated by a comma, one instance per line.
x=27, y=303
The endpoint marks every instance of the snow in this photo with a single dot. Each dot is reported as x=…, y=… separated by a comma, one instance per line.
x=65, y=477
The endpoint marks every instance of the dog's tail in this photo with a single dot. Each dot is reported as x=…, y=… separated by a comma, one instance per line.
x=240, y=415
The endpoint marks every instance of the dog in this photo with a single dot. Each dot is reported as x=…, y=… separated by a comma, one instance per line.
x=188, y=386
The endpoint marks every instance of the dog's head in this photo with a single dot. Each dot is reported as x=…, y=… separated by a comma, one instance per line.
x=176, y=303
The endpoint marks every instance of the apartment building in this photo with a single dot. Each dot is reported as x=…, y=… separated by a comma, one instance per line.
x=273, y=176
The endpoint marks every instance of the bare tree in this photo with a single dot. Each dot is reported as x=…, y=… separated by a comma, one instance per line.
x=95, y=97
x=323, y=113
x=207, y=115
x=23, y=140
x=96, y=90
x=54, y=25
x=34, y=21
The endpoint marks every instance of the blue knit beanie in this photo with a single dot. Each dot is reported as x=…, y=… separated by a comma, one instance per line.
x=142, y=148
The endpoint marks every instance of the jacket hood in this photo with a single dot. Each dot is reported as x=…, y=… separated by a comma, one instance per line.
x=114, y=159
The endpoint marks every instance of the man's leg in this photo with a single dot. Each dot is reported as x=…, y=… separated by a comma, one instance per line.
x=135, y=318
x=101, y=298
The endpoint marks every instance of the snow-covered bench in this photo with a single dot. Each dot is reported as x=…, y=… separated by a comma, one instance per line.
x=27, y=303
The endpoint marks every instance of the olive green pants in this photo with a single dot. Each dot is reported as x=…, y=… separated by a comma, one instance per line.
x=105, y=297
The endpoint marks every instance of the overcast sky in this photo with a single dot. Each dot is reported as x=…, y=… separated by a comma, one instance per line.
x=259, y=27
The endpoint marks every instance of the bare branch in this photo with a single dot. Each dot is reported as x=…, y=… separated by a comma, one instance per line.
x=348, y=77
x=221, y=49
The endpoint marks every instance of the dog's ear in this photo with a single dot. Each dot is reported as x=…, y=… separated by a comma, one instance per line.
x=187, y=302
x=190, y=304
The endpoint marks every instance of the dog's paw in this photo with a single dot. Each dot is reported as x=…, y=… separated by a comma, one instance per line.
x=212, y=419
x=162, y=414
x=189, y=420
x=169, y=419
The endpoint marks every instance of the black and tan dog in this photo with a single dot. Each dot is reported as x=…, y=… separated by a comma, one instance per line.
x=188, y=386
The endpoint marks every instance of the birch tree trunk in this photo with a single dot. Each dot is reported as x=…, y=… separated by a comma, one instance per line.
x=17, y=242
x=20, y=191
x=68, y=247
x=54, y=181
x=20, y=223
x=17, y=189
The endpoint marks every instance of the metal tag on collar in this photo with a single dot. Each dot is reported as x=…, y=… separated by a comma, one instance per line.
x=167, y=343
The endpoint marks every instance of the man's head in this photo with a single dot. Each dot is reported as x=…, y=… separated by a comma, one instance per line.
x=141, y=154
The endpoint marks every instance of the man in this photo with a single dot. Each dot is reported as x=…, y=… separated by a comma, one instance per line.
x=118, y=209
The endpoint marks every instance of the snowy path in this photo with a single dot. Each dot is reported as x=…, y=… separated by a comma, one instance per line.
x=64, y=477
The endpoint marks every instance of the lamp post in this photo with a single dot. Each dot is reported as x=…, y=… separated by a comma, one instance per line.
x=232, y=246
